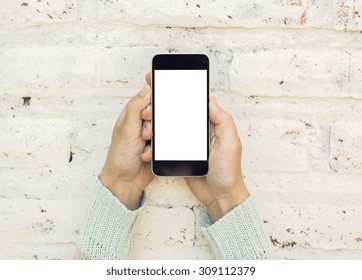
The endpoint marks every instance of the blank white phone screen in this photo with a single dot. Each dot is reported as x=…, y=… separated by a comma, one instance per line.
x=180, y=115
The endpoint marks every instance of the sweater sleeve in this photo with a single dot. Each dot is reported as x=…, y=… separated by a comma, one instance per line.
x=238, y=235
x=108, y=228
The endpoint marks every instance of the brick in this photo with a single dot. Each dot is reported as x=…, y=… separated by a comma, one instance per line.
x=75, y=183
x=304, y=187
x=25, y=183
x=87, y=10
x=347, y=15
x=89, y=146
x=346, y=148
x=49, y=71
x=313, y=112
x=219, y=14
x=34, y=143
x=302, y=73
x=31, y=12
x=279, y=144
x=170, y=192
x=76, y=35
x=90, y=143
x=87, y=141
x=299, y=253
x=312, y=225
x=84, y=108
x=166, y=226
x=41, y=221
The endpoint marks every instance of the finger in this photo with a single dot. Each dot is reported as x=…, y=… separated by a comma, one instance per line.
x=223, y=122
x=136, y=105
x=148, y=78
x=213, y=137
x=147, y=113
x=212, y=130
x=146, y=130
x=147, y=154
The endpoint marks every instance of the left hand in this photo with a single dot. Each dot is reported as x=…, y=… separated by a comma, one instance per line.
x=223, y=188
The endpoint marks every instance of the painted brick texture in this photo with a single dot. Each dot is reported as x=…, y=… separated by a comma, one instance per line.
x=290, y=73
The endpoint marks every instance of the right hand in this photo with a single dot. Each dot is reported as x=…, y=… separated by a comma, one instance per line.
x=127, y=170
x=223, y=188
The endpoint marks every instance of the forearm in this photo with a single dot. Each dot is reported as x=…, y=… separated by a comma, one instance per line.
x=109, y=227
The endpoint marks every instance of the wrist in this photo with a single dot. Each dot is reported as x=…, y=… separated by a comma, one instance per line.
x=223, y=205
x=127, y=193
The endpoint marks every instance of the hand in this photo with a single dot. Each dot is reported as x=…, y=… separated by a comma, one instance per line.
x=127, y=171
x=223, y=187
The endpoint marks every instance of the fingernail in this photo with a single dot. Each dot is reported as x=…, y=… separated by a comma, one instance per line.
x=144, y=90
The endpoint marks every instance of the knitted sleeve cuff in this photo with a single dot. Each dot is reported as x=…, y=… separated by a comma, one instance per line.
x=238, y=235
x=108, y=229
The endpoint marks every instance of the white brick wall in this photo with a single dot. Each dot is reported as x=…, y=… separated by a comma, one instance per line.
x=290, y=72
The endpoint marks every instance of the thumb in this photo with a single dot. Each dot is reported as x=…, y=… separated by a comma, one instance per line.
x=224, y=124
x=135, y=106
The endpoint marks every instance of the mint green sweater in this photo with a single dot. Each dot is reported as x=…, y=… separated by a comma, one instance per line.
x=109, y=228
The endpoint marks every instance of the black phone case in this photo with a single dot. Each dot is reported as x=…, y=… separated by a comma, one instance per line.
x=176, y=167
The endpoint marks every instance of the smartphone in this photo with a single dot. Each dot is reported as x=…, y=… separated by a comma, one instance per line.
x=180, y=114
